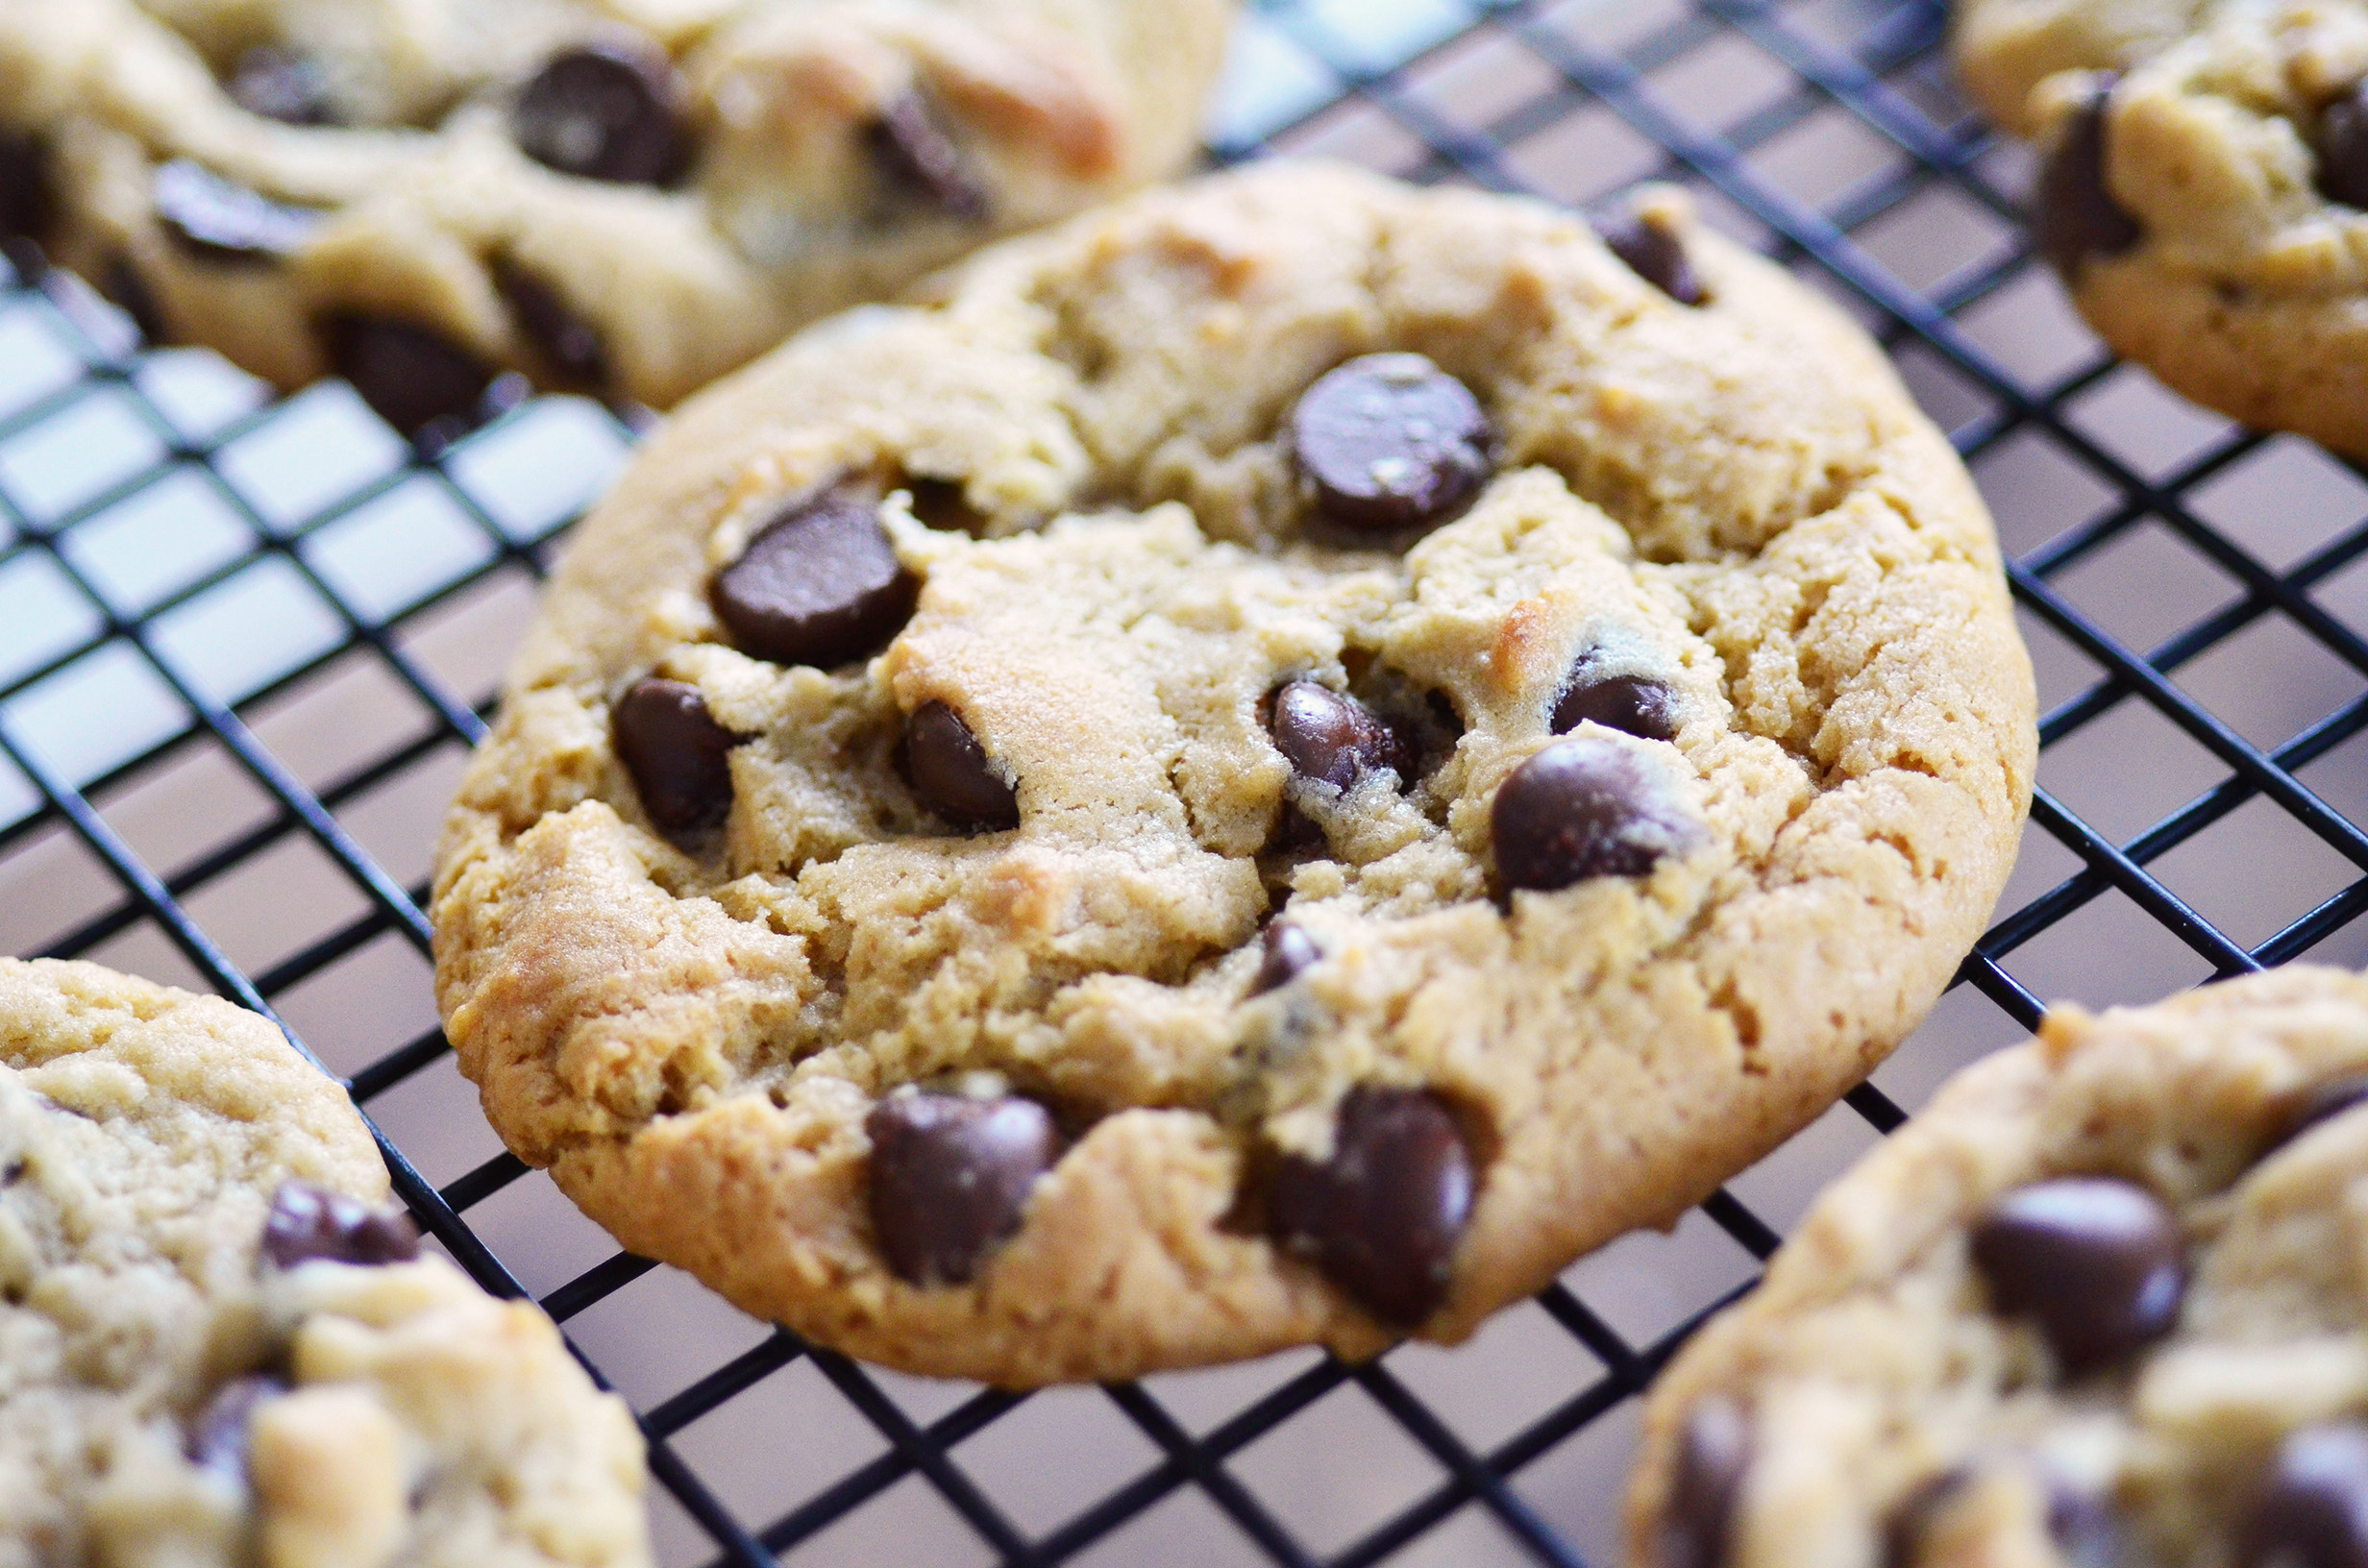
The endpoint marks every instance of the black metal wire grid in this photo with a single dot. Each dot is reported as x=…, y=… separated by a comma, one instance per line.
x=2187, y=591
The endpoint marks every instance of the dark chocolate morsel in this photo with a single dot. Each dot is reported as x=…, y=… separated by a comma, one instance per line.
x=2343, y=147
x=417, y=381
x=1381, y=1217
x=918, y=156
x=219, y=1438
x=1636, y=705
x=1712, y=1455
x=571, y=346
x=948, y=1177
x=954, y=775
x=307, y=1222
x=679, y=757
x=2094, y=1262
x=1585, y=806
x=2076, y=217
x=820, y=584
x=1287, y=951
x=2323, y=1104
x=1331, y=737
x=1654, y=253
x=606, y=111
x=224, y=221
x=1390, y=441
x=279, y=85
x=28, y=199
x=2312, y=1509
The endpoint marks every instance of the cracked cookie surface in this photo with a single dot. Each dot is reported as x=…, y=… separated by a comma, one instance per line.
x=218, y=1349
x=1404, y=752
x=2101, y=1303
x=619, y=197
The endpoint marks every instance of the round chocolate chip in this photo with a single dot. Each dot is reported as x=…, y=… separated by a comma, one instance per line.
x=2312, y=1509
x=1390, y=441
x=28, y=199
x=951, y=773
x=1287, y=951
x=2343, y=147
x=224, y=221
x=419, y=383
x=1330, y=737
x=1654, y=253
x=2322, y=1104
x=921, y=162
x=678, y=756
x=2095, y=1263
x=1381, y=1218
x=1636, y=705
x=571, y=346
x=219, y=1440
x=279, y=85
x=606, y=111
x=948, y=1176
x=308, y=1222
x=1585, y=807
x=2076, y=217
x=1711, y=1459
x=820, y=584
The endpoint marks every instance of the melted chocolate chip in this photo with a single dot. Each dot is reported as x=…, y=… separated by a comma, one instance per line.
x=1381, y=1218
x=2094, y=1262
x=1288, y=951
x=951, y=773
x=1332, y=738
x=1583, y=807
x=308, y=1222
x=1390, y=441
x=279, y=85
x=571, y=346
x=222, y=220
x=1711, y=1459
x=820, y=584
x=948, y=1177
x=220, y=1439
x=679, y=757
x=1654, y=253
x=605, y=111
x=2343, y=148
x=913, y=150
x=28, y=199
x=2323, y=1104
x=1633, y=704
x=2076, y=217
x=419, y=383
x=2312, y=1509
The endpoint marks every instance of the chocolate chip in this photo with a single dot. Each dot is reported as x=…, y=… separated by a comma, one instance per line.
x=28, y=197
x=1636, y=705
x=308, y=1222
x=279, y=85
x=952, y=774
x=2076, y=217
x=1711, y=1459
x=571, y=346
x=1654, y=253
x=1388, y=441
x=948, y=1176
x=1583, y=807
x=419, y=383
x=2323, y=1104
x=2312, y=1509
x=918, y=157
x=220, y=1439
x=606, y=111
x=1381, y=1215
x=820, y=584
x=678, y=756
x=1332, y=738
x=2094, y=1262
x=1287, y=951
x=224, y=221
x=2343, y=148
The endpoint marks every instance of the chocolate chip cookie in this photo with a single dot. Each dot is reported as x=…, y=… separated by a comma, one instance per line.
x=2205, y=189
x=223, y=1348
x=620, y=197
x=1268, y=767
x=2101, y=1304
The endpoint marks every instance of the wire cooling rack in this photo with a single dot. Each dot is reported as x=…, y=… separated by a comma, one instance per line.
x=245, y=644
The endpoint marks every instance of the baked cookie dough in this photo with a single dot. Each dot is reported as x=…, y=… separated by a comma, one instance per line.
x=1270, y=766
x=623, y=197
x=2102, y=1304
x=2204, y=189
x=218, y=1347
